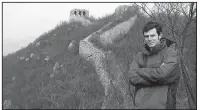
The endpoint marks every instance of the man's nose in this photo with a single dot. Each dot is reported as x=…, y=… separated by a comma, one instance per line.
x=149, y=38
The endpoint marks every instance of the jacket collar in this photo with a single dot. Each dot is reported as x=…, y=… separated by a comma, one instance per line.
x=163, y=43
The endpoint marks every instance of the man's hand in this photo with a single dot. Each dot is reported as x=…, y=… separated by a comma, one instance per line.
x=133, y=77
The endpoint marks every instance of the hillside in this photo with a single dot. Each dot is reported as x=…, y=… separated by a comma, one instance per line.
x=30, y=83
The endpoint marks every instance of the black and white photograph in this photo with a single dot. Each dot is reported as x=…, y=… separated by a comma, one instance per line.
x=99, y=55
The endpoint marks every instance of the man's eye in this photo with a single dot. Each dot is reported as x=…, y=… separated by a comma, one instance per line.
x=146, y=36
x=152, y=35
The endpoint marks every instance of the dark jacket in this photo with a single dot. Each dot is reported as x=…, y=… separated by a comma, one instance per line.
x=155, y=75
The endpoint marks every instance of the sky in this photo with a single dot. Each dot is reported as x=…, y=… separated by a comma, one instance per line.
x=24, y=22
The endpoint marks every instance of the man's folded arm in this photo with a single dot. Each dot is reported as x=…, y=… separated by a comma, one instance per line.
x=133, y=76
x=163, y=74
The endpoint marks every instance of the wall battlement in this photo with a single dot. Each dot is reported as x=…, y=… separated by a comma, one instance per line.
x=80, y=15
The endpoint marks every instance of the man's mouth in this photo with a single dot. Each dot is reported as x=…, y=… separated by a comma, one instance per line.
x=150, y=43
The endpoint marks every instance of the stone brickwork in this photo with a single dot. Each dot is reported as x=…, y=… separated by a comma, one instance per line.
x=111, y=75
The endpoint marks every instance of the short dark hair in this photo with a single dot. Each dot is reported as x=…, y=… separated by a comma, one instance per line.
x=152, y=24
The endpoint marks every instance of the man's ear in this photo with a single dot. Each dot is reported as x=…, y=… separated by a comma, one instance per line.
x=160, y=36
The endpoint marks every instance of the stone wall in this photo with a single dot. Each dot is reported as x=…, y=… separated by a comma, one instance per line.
x=110, y=73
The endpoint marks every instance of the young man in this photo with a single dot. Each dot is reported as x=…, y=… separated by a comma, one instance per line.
x=154, y=72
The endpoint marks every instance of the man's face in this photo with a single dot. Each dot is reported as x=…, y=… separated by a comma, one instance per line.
x=152, y=38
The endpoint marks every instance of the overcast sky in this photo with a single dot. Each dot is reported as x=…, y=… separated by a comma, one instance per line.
x=24, y=22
